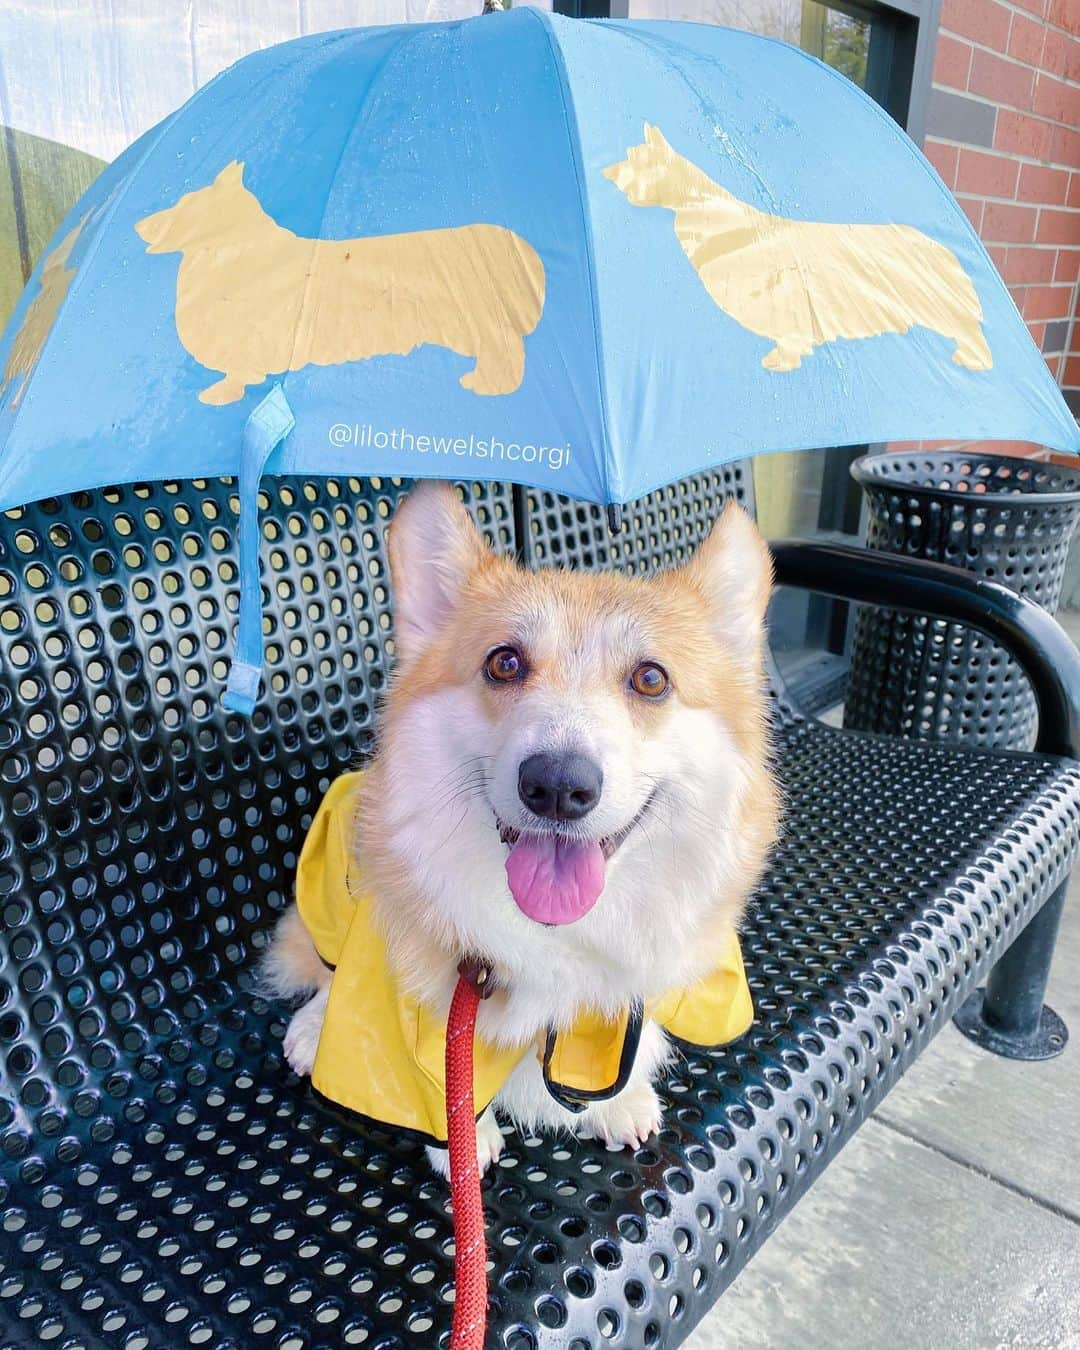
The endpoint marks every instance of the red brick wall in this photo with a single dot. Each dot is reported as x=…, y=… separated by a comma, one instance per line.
x=1004, y=133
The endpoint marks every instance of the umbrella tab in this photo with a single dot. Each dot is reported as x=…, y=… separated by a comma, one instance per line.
x=264, y=431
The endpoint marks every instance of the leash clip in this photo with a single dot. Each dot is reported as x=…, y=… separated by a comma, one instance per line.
x=478, y=975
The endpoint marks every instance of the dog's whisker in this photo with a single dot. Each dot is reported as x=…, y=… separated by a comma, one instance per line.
x=465, y=795
x=449, y=777
x=475, y=764
x=469, y=780
x=647, y=834
x=453, y=830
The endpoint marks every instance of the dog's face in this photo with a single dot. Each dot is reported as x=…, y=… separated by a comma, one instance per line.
x=566, y=755
x=652, y=174
x=197, y=218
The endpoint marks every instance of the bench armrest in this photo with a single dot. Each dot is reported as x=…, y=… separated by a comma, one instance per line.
x=1034, y=638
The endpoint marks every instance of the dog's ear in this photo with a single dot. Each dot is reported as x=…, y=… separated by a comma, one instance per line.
x=232, y=175
x=434, y=550
x=732, y=569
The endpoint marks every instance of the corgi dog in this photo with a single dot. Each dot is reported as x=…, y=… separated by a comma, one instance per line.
x=801, y=283
x=254, y=299
x=572, y=781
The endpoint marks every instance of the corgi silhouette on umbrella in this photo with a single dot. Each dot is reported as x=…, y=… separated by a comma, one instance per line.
x=801, y=283
x=254, y=299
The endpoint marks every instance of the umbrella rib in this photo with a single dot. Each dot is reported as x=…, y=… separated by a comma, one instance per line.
x=574, y=137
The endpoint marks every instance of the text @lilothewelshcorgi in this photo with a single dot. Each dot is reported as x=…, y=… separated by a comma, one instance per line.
x=365, y=436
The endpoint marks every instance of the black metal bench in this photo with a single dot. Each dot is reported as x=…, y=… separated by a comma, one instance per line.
x=165, y=1180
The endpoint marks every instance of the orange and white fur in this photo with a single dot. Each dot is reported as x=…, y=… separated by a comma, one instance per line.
x=686, y=791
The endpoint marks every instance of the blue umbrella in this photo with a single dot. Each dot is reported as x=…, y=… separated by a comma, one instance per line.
x=587, y=256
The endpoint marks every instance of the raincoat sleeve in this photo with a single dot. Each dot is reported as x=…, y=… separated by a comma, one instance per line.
x=716, y=1010
x=322, y=877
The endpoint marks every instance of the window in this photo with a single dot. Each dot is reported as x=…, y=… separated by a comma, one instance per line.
x=583, y=9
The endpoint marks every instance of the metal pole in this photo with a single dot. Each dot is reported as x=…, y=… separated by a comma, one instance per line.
x=1009, y=1016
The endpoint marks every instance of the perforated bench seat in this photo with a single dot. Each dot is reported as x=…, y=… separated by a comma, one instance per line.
x=166, y=1181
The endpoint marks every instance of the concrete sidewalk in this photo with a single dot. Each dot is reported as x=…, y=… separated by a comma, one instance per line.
x=951, y=1221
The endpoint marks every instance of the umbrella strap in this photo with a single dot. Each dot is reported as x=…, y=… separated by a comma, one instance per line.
x=264, y=431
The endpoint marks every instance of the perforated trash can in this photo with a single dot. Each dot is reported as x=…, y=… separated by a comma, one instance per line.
x=1007, y=519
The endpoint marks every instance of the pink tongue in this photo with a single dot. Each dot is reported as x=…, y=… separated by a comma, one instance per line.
x=555, y=880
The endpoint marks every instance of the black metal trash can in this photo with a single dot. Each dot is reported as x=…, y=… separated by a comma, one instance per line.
x=1008, y=519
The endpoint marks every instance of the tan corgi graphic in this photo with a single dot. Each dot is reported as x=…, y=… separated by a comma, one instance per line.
x=40, y=314
x=253, y=299
x=803, y=282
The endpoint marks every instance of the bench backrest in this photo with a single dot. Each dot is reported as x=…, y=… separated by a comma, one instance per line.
x=657, y=531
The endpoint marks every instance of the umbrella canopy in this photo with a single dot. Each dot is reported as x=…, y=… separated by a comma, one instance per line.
x=587, y=256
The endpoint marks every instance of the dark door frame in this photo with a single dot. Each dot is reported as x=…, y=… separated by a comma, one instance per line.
x=901, y=49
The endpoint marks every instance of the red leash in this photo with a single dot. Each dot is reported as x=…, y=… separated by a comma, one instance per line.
x=470, y=1248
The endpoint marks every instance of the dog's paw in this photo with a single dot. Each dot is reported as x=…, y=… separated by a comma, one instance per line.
x=784, y=358
x=489, y=1141
x=624, y=1121
x=489, y=1147
x=223, y=391
x=483, y=381
x=302, y=1034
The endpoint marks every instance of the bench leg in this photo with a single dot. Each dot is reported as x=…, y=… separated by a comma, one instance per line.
x=1009, y=1016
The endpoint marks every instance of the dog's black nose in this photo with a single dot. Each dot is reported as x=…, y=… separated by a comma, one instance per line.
x=560, y=787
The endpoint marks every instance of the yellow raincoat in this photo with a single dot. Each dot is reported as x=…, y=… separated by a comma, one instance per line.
x=381, y=1053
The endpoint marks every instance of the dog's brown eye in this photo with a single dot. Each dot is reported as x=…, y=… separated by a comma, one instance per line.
x=504, y=664
x=649, y=680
